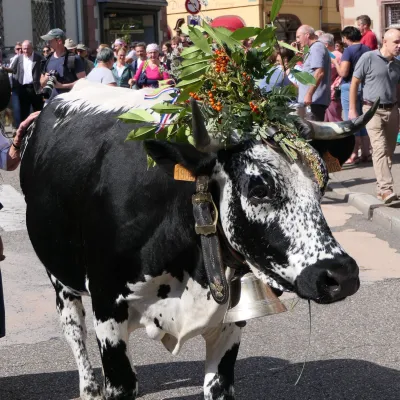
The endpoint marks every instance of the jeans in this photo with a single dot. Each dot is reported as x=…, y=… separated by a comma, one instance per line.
x=344, y=98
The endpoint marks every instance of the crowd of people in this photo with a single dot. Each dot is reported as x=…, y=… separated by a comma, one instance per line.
x=350, y=74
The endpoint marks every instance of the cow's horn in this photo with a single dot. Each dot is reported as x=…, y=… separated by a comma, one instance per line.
x=202, y=140
x=337, y=130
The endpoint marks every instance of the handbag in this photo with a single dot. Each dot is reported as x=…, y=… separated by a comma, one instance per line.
x=142, y=81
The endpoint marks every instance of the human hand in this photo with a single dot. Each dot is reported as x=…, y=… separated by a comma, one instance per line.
x=307, y=99
x=353, y=114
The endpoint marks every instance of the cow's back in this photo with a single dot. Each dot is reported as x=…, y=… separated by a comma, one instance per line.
x=92, y=203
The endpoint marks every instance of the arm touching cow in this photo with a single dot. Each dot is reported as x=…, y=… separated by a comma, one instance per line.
x=13, y=156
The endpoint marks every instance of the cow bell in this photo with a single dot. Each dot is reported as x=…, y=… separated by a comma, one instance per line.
x=251, y=298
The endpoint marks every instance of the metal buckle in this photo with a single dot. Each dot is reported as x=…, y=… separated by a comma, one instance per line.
x=209, y=229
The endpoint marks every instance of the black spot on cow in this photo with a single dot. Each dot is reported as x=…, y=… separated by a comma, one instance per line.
x=160, y=315
x=208, y=295
x=221, y=386
x=187, y=288
x=173, y=319
x=163, y=291
x=157, y=323
x=240, y=324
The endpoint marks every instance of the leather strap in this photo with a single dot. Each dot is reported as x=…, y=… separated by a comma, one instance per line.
x=206, y=217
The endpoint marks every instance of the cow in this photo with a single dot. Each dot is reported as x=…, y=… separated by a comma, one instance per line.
x=106, y=226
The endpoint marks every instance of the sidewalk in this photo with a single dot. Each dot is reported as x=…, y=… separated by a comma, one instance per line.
x=357, y=185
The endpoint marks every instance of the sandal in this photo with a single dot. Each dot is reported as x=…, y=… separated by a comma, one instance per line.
x=351, y=162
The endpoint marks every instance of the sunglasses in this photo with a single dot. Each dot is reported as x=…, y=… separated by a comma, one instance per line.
x=18, y=49
x=46, y=51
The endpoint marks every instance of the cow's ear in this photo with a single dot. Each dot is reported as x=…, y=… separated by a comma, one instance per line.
x=167, y=155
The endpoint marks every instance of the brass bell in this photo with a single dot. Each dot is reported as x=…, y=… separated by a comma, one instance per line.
x=251, y=298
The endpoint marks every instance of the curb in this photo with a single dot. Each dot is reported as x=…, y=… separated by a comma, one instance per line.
x=372, y=208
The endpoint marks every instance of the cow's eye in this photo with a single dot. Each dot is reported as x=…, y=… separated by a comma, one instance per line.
x=260, y=192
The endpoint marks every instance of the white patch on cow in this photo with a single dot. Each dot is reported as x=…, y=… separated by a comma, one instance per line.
x=110, y=332
x=183, y=314
x=71, y=313
x=96, y=98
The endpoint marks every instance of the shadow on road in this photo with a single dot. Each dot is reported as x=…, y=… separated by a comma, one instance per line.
x=257, y=378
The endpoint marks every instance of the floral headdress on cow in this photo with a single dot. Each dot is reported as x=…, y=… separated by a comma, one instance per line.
x=221, y=74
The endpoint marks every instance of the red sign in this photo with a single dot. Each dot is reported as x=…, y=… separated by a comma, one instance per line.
x=193, y=6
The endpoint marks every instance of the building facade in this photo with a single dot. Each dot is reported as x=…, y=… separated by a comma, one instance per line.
x=89, y=21
x=320, y=14
x=383, y=13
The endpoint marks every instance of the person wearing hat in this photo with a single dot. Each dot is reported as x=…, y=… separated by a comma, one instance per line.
x=151, y=72
x=67, y=66
x=81, y=49
x=70, y=45
x=119, y=43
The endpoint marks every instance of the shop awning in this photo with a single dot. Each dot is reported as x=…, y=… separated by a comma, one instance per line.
x=154, y=3
x=231, y=22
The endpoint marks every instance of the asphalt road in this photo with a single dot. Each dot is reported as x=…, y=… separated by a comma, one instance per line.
x=354, y=351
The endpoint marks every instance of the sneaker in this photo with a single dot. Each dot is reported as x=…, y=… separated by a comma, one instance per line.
x=387, y=197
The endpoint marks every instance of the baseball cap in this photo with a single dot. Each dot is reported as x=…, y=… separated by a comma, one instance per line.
x=81, y=46
x=70, y=44
x=55, y=33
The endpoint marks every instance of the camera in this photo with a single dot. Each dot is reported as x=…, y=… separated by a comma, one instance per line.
x=48, y=89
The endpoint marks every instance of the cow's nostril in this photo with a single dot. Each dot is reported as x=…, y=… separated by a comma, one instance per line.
x=332, y=285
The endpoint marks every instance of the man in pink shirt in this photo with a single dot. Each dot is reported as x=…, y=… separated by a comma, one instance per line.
x=368, y=37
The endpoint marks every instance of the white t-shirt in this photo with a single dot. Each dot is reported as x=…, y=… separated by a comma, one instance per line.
x=119, y=69
x=101, y=75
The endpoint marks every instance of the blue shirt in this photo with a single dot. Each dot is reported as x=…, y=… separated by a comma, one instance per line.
x=352, y=54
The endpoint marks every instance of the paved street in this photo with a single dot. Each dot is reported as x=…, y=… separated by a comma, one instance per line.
x=354, y=352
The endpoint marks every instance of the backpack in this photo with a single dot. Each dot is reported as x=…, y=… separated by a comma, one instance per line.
x=69, y=67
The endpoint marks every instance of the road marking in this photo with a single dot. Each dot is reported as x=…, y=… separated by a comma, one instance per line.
x=12, y=216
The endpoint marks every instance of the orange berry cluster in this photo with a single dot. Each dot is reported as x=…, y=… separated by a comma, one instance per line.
x=195, y=96
x=246, y=77
x=254, y=108
x=217, y=106
x=221, y=62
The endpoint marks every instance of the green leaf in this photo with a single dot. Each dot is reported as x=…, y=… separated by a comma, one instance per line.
x=245, y=33
x=189, y=50
x=192, y=88
x=213, y=34
x=194, y=71
x=136, y=115
x=265, y=36
x=225, y=36
x=304, y=77
x=166, y=108
x=180, y=134
x=199, y=40
x=187, y=63
x=287, y=46
x=276, y=6
x=150, y=162
x=142, y=133
x=185, y=83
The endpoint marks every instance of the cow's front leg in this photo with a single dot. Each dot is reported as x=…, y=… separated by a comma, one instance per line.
x=111, y=326
x=222, y=346
x=72, y=317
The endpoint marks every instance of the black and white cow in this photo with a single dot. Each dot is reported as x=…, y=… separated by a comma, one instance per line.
x=104, y=225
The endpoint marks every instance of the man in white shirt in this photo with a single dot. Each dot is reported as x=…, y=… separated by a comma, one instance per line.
x=27, y=71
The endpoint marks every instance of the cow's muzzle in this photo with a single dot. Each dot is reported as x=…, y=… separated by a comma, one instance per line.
x=329, y=280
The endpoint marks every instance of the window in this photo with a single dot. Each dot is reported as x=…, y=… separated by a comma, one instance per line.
x=287, y=25
x=46, y=15
x=392, y=14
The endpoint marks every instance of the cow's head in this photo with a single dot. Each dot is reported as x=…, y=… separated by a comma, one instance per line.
x=270, y=212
